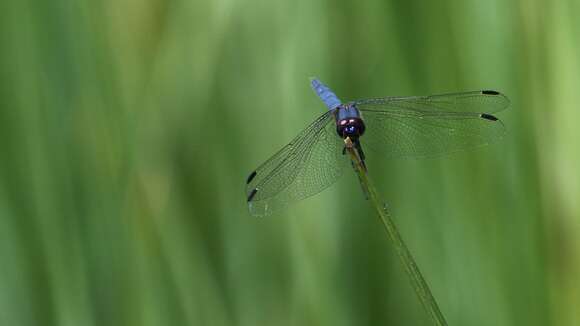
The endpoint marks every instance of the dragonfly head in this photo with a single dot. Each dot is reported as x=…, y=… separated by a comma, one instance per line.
x=350, y=127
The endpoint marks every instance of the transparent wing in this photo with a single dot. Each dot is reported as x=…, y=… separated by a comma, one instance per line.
x=431, y=125
x=487, y=101
x=307, y=165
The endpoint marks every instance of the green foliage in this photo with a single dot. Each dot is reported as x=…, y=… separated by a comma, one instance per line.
x=127, y=129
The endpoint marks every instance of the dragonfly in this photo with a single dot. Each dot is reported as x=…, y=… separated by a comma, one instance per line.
x=411, y=126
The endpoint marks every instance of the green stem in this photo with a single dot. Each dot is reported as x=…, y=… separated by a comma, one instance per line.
x=418, y=282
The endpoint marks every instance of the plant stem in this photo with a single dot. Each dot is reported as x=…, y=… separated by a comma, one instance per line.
x=417, y=281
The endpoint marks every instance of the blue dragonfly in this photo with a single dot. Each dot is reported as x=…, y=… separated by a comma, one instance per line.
x=413, y=126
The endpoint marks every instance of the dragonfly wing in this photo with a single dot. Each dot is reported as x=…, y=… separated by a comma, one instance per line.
x=487, y=101
x=307, y=165
x=431, y=125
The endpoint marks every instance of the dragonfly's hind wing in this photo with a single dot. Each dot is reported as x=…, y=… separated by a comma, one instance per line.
x=307, y=165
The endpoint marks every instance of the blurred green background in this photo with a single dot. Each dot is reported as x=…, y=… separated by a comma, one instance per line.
x=127, y=129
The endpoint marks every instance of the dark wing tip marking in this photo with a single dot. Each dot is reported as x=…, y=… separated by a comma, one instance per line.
x=251, y=177
x=252, y=194
x=488, y=117
x=490, y=92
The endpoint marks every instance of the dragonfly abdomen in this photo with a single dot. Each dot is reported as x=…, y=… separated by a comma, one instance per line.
x=325, y=94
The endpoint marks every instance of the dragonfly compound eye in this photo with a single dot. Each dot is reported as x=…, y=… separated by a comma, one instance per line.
x=352, y=128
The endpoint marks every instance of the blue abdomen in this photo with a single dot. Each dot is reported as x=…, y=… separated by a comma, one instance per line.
x=325, y=94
